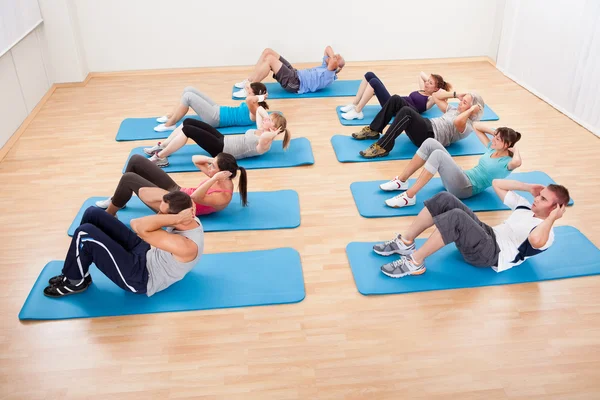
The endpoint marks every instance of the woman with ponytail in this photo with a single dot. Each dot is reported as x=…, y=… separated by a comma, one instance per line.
x=151, y=183
x=497, y=162
x=420, y=100
x=213, y=114
x=254, y=142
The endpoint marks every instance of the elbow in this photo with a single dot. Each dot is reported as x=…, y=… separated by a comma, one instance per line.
x=536, y=242
x=135, y=225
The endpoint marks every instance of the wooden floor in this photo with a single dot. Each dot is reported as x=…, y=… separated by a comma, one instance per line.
x=530, y=341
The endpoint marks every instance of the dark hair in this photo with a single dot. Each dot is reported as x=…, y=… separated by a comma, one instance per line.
x=440, y=83
x=177, y=201
x=561, y=193
x=508, y=136
x=281, y=123
x=260, y=88
x=227, y=162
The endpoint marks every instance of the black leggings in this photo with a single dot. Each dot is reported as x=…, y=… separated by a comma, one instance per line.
x=141, y=172
x=418, y=129
x=204, y=135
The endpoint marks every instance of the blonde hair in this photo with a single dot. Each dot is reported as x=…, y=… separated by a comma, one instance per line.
x=280, y=122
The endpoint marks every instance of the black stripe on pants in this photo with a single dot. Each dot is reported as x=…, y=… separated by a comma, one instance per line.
x=204, y=135
x=417, y=128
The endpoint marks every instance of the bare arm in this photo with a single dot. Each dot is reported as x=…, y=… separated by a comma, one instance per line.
x=215, y=199
x=265, y=140
x=150, y=230
x=503, y=186
x=261, y=113
x=422, y=79
x=460, y=123
x=481, y=130
x=440, y=98
x=516, y=159
x=328, y=52
x=201, y=162
x=540, y=234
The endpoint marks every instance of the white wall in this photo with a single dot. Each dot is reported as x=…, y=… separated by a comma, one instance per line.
x=553, y=50
x=24, y=82
x=153, y=34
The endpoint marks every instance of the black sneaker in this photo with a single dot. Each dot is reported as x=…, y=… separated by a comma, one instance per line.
x=60, y=286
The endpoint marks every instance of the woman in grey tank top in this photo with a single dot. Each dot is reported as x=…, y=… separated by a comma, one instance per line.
x=251, y=144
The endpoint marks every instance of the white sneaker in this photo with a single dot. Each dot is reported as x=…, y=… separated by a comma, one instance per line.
x=347, y=108
x=162, y=120
x=154, y=149
x=242, y=84
x=393, y=185
x=159, y=162
x=402, y=200
x=104, y=203
x=240, y=94
x=352, y=114
x=164, y=128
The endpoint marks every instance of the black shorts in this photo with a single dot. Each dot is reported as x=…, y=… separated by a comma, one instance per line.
x=287, y=76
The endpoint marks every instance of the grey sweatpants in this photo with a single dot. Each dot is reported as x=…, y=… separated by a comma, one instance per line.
x=457, y=224
x=439, y=160
x=206, y=109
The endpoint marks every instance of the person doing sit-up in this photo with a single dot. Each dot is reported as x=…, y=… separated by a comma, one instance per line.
x=456, y=123
x=526, y=233
x=291, y=79
x=143, y=260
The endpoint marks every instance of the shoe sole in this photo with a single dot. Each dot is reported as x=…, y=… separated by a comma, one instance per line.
x=67, y=294
x=390, y=253
x=400, y=189
x=394, y=206
x=365, y=137
x=418, y=272
x=377, y=156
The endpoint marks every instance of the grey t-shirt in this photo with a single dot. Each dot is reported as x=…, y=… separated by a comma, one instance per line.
x=163, y=269
x=241, y=146
x=444, y=130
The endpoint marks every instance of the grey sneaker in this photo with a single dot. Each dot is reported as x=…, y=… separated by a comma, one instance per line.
x=402, y=267
x=365, y=133
x=159, y=162
x=394, y=246
x=154, y=149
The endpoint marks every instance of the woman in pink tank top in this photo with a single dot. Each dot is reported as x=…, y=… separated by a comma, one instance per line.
x=151, y=183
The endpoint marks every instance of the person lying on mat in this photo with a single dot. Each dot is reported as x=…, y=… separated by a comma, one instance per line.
x=145, y=259
x=500, y=158
x=150, y=184
x=526, y=232
x=454, y=125
x=254, y=142
x=420, y=100
x=213, y=114
x=291, y=79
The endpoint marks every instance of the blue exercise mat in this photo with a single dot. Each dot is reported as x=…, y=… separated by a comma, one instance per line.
x=143, y=129
x=224, y=280
x=446, y=269
x=339, y=88
x=347, y=148
x=298, y=153
x=371, y=110
x=370, y=199
x=265, y=210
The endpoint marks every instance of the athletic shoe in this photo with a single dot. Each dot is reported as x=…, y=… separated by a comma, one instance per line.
x=365, y=133
x=352, y=114
x=160, y=162
x=394, y=246
x=103, y=203
x=164, y=128
x=242, y=84
x=162, y=120
x=402, y=267
x=240, y=94
x=374, y=151
x=347, y=108
x=402, y=200
x=393, y=185
x=60, y=278
x=64, y=287
x=154, y=149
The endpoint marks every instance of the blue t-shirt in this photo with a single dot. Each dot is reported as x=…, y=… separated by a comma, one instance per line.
x=488, y=169
x=234, y=116
x=317, y=78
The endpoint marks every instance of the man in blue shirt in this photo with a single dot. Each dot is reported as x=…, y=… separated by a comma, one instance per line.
x=291, y=79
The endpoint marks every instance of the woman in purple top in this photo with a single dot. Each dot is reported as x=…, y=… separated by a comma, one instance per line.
x=420, y=100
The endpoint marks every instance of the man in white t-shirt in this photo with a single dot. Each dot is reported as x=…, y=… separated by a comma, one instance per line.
x=527, y=232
